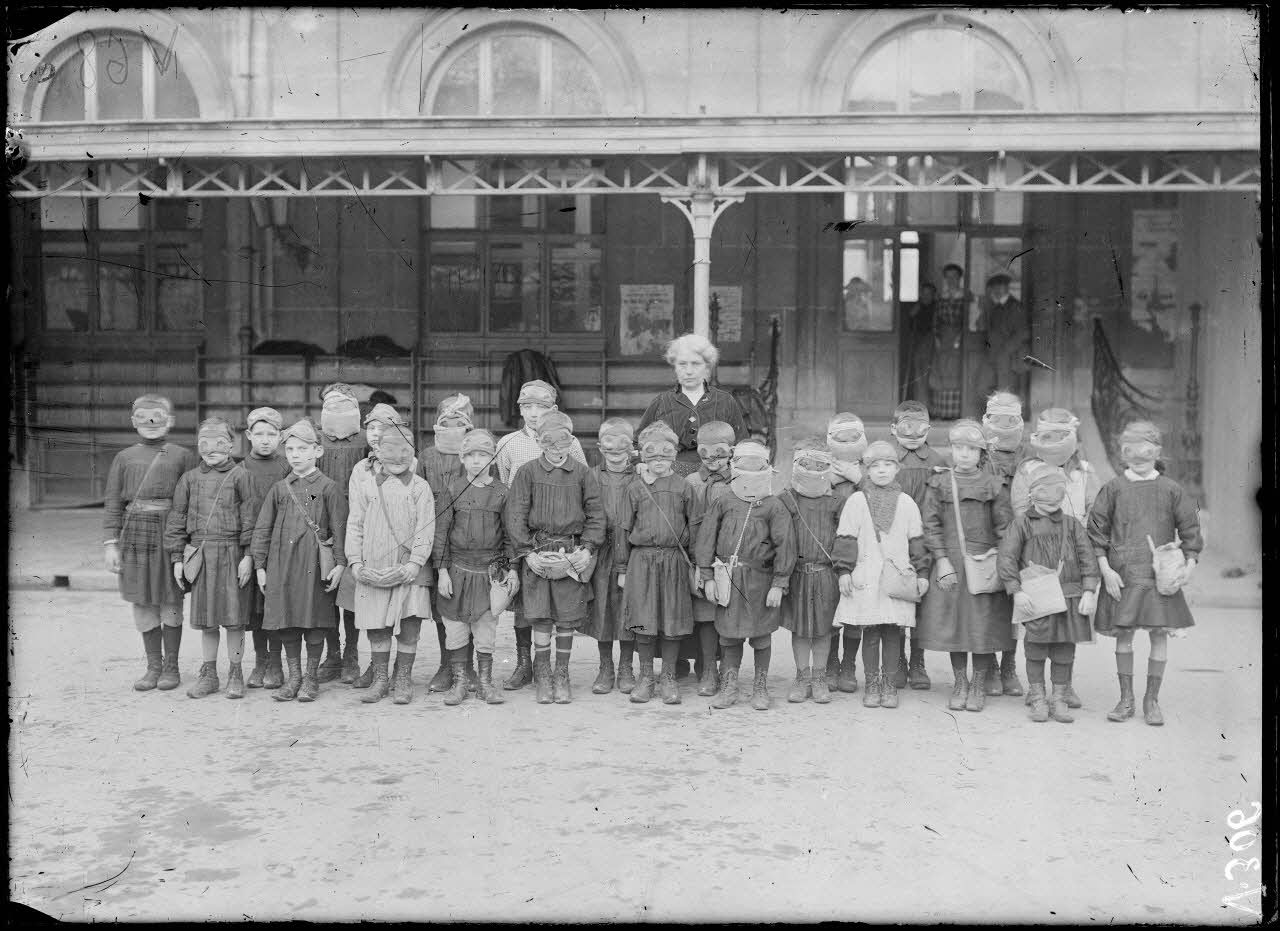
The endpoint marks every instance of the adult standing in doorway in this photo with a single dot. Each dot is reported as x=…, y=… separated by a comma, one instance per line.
x=1008, y=338
x=693, y=401
x=946, y=373
x=918, y=351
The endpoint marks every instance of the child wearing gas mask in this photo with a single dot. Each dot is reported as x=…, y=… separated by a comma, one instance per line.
x=214, y=509
x=615, y=473
x=715, y=449
x=809, y=609
x=846, y=442
x=139, y=495
x=555, y=520
x=1003, y=426
x=301, y=513
x=745, y=552
x=1136, y=518
x=471, y=553
x=1046, y=536
x=652, y=561
x=266, y=465
x=390, y=533
x=1056, y=442
x=884, y=524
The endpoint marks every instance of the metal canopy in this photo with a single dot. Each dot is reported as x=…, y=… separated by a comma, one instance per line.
x=672, y=176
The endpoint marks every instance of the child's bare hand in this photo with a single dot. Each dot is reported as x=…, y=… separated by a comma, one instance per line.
x=846, y=584
x=512, y=581
x=334, y=579
x=408, y=572
x=1088, y=603
x=774, y=598
x=244, y=572
x=533, y=562
x=444, y=583
x=262, y=581
x=177, y=574
x=112, y=556
x=1112, y=580
x=946, y=575
x=580, y=559
x=622, y=580
x=709, y=590
x=849, y=471
x=922, y=585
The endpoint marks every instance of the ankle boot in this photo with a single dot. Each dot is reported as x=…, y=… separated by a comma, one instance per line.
x=959, y=690
x=542, y=682
x=155, y=661
x=310, y=687
x=899, y=678
x=604, y=678
x=1038, y=702
x=258, y=674
x=993, y=687
x=350, y=661
x=1124, y=709
x=760, y=691
x=1009, y=683
x=522, y=675
x=457, y=693
x=645, y=684
x=207, y=683
x=561, y=693
x=1150, y=702
x=709, y=684
x=626, y=677
x=1073, y=700
x=978, y=690
x=728, y=694
x=799, y=690
x=871, y=697
x=847, y=680
x=273, y=676
x=1058, y=705
x=442, y=681
x=917, y=677
x=289, y=690
x=328, y=670
x=818, y=686
x=888, y=691
x=402, y=681
x=235, y=681
x=670, y=688
x=381, y=683
x=365, y=679
x=171, y=639
x=489, y=693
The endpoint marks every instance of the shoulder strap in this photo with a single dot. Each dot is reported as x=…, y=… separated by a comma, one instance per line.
x=145, y=475
x=804, y=523
x=955, y=501
x=315, y=528
x=670, y=526
x=738, y=547
x=217, y=495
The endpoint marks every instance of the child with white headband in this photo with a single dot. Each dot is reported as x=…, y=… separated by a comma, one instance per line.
x=846, y=442
x=745, y=551
x=1056, y=442
x=1003, y=426
x=1136, y=512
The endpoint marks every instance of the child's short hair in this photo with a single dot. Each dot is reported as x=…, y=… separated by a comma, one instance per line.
x=616, y=426
x=715, y=431
x=555, y=420
x=658, y=430
x=378, y=396
x=152, y=401
x=911, y=410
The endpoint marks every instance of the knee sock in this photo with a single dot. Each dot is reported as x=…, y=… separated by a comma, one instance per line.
x=626, y=650
x=410, y=630
x=259, y=641
x=852, y=638
x=1036, y=655
x=833, y=644
x=235, y=645
x=171, y=638
x=870, y=650
x=985, y=661
x=444, y=652
x=802, y=651
x=1060, y=673
x=891, y=640
x=763, y=655
x=709, y=642
x=732, y=656
x=959, y=664
x=670, y=648
x=541, y=645
x=315, y=647
x=821, y=647
x=564, y=646
x=349, y=628
x=646, y=646
x=293, y=647
x=331, y=638
x=524, y=638
x=1155, y=667
x=273, y=641
x=605, y=649
x=209, y=645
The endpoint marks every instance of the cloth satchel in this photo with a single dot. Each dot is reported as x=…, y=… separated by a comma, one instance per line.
x=1044, y=586
x=1167, y=561
x=327, y=560
x=192, y=553
x=896, y=582
x=723, y=571
x=981, y=573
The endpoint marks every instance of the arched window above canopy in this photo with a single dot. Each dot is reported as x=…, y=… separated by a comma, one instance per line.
x=118, y=76
x=515, y=72
x=938, y=65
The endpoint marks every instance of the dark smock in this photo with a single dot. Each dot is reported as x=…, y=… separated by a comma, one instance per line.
x=470, y=536
x=707, y=486
x=340, y=457
x=810, y=605
x=766, y=557
x=214, y=507
x=285, y=545
x=956, y=621
x=674, y=409
x=915, y=468
x=1039, y=538
x=652, y=549
x=554, y=507
x=264, y=472
x=1123, y=515
x=605, y=621
x=146, y=574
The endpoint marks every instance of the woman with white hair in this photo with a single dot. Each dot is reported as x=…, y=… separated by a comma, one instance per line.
x=693, y=402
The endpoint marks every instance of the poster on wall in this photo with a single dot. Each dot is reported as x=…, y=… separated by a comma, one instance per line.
x=729, y=316
x=647, y=319
x=1154, y=304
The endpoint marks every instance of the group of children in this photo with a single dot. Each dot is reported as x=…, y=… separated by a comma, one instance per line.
x=323, y=532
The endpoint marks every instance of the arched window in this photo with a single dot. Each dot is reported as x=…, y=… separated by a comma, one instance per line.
x=118, y=76
x=524, y=72
x=941, y=64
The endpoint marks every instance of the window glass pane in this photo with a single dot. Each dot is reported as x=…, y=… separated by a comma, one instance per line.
x=120, y=65
x=996, y=86
x=64, y=100
x=515, y=288
x=66, y=292
x=562, y=214
x=936, y=66
x=179, y=290
x=453, y=211
x=573, y=85
x=515, y=212
x=576, y=295
x=64, y=213
x=169, y=213
x=875, y=86
x=174, y=96
x=869, y=207
x=120, y=212
x=868, y=284
x=459, y=91
x=455, y=287
x=120, y=289
x=516, y=75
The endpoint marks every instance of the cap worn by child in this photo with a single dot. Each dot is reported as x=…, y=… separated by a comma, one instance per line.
x=537, y=392
x=339, y=410
x=1054, y=440
x=967, y=433
x=264, y=415
x=1005, y=432
x=752, y=475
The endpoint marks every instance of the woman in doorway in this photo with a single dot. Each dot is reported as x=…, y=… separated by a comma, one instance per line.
x=918, y=351
x=946, y=373
x=693, y=402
